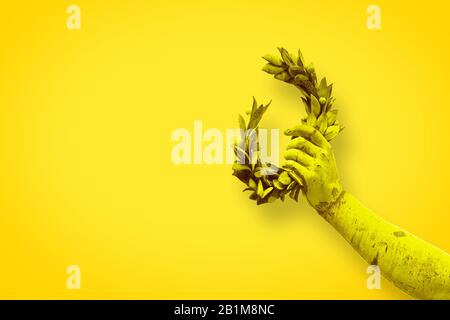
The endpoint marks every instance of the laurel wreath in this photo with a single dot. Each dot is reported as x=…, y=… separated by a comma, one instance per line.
x=266, y=181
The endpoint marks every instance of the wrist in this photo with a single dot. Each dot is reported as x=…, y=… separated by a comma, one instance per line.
x=328, y=209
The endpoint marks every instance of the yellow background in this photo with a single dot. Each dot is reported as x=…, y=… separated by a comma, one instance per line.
x=85, y=122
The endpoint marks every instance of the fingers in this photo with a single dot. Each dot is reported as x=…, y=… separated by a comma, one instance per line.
x=299, y=156
x=309, y=133
x=298, y=168
x=303, y=144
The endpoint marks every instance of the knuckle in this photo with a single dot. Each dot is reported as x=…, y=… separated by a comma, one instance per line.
x=299, y=140
x=323, y=154
x=314, y=132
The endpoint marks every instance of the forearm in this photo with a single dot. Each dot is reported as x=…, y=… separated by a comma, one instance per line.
x=419, y=268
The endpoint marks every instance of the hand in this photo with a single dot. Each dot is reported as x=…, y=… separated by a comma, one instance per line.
x=310, y=156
